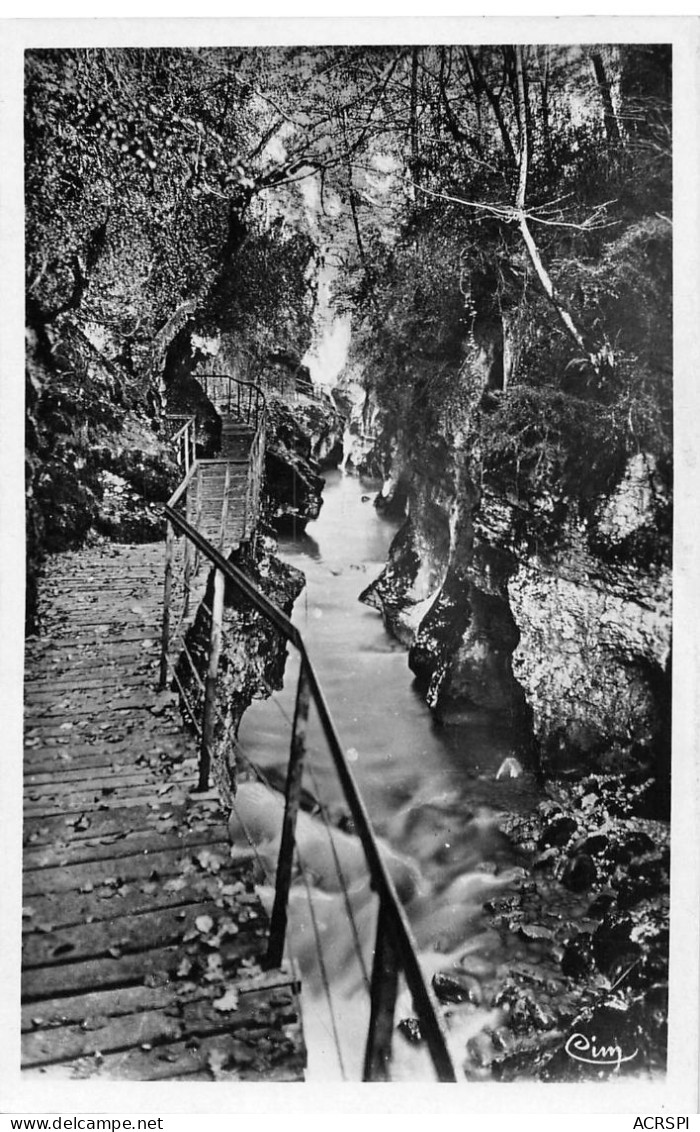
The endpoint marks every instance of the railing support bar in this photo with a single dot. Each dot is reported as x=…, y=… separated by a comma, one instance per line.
x=223, y=531
x=209, y=713
x=385, y=982
x=278, y=922
x=187, y=578
x=167, y=593
x=198, y=505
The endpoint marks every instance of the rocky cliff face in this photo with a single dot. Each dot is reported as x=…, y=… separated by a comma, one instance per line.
x=594, y=620
x=304, y=437
x=519, y=605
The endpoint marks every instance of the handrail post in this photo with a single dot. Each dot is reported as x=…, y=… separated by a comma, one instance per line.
x=225, y=509
x=278, y=921
x=198, y=505
x=209, y=712
x=187, y=577
x=383, y=990
x=167, y=593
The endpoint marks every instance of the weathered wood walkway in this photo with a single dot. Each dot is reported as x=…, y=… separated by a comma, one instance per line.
x=142, y=938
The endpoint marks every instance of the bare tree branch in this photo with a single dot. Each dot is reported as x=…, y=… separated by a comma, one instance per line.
x=544, y=279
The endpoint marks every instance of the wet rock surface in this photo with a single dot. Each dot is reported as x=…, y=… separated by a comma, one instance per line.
x=303, y=438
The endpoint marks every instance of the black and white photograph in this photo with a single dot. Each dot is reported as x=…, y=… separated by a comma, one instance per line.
x=357, y=694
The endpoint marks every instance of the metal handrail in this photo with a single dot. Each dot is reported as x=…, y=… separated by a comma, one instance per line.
x=395, y=944
x=184, y=439
x=249, y=408
x=183, y=485
x=293, y=387
x=190, y=492
x=172, y=418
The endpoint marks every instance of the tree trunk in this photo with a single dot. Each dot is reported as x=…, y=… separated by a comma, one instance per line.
x=415, y=170
x=612, y=128
x=564, y=314
x=495, y=106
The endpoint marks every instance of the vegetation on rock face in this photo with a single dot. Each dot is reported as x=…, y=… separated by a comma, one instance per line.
x=594, y=908
x=143, y=233
x=524, y=296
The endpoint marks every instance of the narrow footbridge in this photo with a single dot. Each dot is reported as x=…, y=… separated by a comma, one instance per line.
x=147, y=951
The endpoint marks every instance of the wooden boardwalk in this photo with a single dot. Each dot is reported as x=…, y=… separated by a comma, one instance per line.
x=142, y=939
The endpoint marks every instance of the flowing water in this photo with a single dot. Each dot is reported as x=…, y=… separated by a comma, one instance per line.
x=431, y=792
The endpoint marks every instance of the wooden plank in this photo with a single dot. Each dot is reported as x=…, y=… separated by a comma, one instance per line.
x=53, y=758
x=95, y=1004
x=86, y=737
x=191, y=1015
x=70, y=878
x=149, y=842
x=174, y=769
x=107, y=616
x=46, y=689
x=104, y=786
x=44, y=1047
x=70, y=978
x=137, y=932
x=60, y=672
x=243, y=1056
x=97, y=766
x=116, y=1003
x=194, y=815
x=53, y=807
x=69, y=908
x=89, y=974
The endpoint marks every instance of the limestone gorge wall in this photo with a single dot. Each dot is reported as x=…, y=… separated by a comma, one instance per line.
x=521, y=606
x=594, y=648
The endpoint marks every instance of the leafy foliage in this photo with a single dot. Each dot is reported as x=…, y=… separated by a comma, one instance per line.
x=452, y=303
x=124, y=149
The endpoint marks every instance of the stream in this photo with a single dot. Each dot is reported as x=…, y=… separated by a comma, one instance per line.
x=431, y=791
